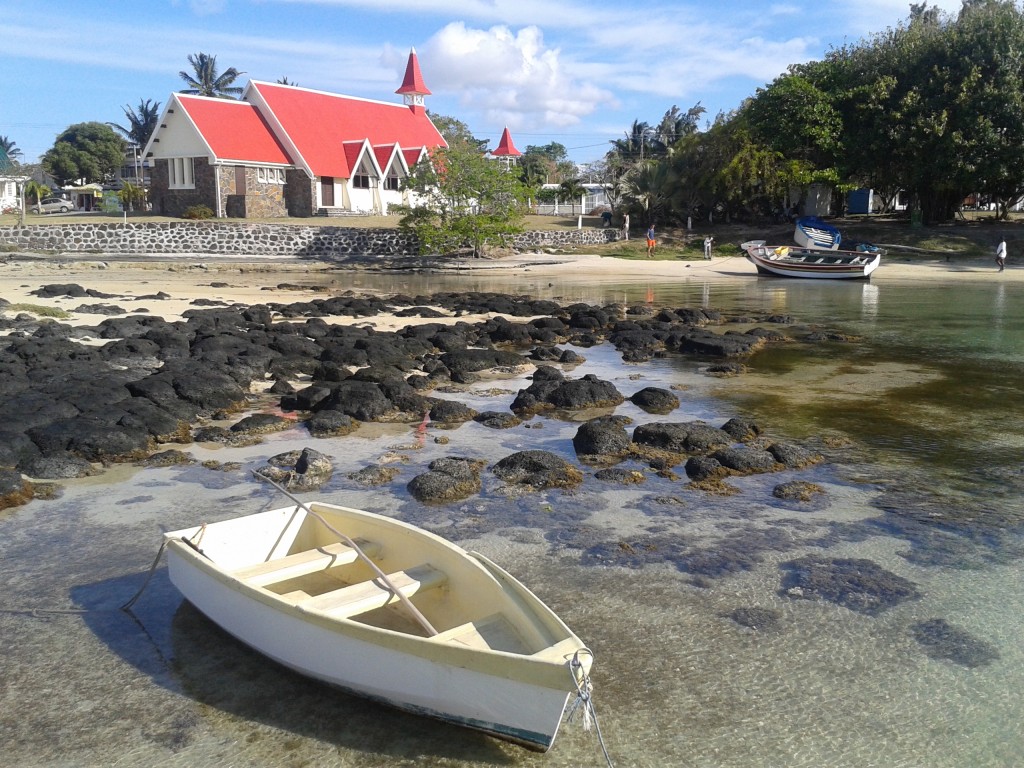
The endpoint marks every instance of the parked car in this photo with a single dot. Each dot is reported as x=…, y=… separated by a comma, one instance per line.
x=53, y=204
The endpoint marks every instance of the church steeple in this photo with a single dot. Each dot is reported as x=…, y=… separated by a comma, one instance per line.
x=413, y=89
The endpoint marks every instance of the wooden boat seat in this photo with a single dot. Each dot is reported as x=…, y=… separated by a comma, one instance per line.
x=302, y=563
x=373, y=594
x=493, y=632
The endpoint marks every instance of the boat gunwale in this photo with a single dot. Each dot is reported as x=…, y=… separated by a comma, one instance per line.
x=786, y=266
x=533, y=669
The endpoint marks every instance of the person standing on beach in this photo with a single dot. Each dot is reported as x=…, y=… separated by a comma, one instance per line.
x=1001, y=254
x=708, y=242
x=651, y=242
x=625, y=227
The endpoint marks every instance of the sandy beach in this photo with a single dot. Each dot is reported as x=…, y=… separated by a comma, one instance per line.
x=134, y=283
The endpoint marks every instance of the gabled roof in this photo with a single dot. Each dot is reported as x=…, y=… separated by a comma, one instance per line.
x=318, y=124
x=387, y=155
x=414, y=155
x=233, y=130
x=413, y=80
x=505, y=147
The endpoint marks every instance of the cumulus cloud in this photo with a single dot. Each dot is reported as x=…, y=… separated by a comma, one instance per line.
x=510, y=77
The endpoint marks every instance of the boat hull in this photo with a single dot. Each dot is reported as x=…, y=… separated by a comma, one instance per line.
x=812, y=232
x=806, y=263
x=516, y=697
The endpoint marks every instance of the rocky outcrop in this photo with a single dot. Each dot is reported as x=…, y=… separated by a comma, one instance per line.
x=305, y=470
x=447, y=479
x=538, y=470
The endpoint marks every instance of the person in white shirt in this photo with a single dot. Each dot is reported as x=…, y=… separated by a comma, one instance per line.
x=1001, y=254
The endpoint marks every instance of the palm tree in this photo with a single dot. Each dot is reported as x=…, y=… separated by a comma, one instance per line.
x=9, y=148
x=35, y=191
x=142, y=121
x=645, y=186
x=571, y=190
x=284, y=81
x=204, y=80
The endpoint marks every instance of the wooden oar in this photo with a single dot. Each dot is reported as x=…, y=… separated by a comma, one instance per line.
x=362, y=555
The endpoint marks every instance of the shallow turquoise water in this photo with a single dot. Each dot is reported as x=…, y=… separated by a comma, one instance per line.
x=927, y=483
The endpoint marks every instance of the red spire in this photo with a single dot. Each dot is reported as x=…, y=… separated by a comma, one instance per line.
x=413, y=81
x=505, y=147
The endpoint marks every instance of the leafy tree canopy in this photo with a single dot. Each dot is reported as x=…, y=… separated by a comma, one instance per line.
x=86, y=153
x=457, y=133
x=461, y=200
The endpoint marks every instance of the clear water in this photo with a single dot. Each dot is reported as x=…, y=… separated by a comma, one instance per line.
x=925, y=428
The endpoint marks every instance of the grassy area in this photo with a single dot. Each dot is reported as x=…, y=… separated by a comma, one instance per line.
x=973, y=236
x=38, y=309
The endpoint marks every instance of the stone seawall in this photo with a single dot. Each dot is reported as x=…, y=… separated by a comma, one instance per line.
x=251, y=240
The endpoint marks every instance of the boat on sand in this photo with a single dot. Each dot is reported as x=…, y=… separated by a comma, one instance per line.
x=787, y=261
x=388, y=611
x=812, y=232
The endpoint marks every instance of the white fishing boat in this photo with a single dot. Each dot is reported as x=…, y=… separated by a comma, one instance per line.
x=812, y=232
x=787, y=261
x=388, y=611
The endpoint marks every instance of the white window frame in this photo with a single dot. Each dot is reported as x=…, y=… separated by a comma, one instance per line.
x=181, y=173
x=266, y=175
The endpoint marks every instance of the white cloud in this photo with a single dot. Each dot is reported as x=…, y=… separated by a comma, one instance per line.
x=509, y=77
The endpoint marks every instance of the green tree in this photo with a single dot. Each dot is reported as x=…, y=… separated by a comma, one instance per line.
x=205, y=80
x=284, y=81
x=141, y=122
x=645, y=187
x=85, y=153
x=461, y=200
x=571, y=190
x=131, y=196
x=10, y=149
x=457, y=133
x=550, y=163
x=35, y=191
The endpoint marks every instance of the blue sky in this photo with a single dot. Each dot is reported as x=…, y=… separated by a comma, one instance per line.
x=576, y=72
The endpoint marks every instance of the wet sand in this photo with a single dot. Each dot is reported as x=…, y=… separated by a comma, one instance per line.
x=132, y=282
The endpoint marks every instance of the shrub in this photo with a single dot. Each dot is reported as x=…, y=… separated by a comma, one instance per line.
x=197, y=212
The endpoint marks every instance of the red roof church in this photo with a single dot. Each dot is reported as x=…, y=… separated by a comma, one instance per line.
x=282, y=150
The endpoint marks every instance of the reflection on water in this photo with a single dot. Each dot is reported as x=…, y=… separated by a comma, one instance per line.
x=702, y=657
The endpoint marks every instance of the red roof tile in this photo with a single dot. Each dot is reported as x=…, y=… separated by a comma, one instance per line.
x=318, y=125
x=505, y=147
x=383, y=153
x=234, y=130
x=412, y=156
x=413, y=80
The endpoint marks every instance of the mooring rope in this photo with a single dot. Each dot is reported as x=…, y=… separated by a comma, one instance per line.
x=152, y=569
x=584, y=700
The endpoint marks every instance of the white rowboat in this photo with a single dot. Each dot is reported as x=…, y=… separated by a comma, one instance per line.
x=787, y=261
x=446, y=633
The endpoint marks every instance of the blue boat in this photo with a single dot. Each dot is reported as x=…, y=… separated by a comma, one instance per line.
x=812, y=232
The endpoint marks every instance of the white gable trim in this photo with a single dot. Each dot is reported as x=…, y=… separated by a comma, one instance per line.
x=177, y=129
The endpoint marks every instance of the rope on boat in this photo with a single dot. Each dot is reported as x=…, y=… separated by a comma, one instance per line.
x=152, y=569
x=584, y=700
